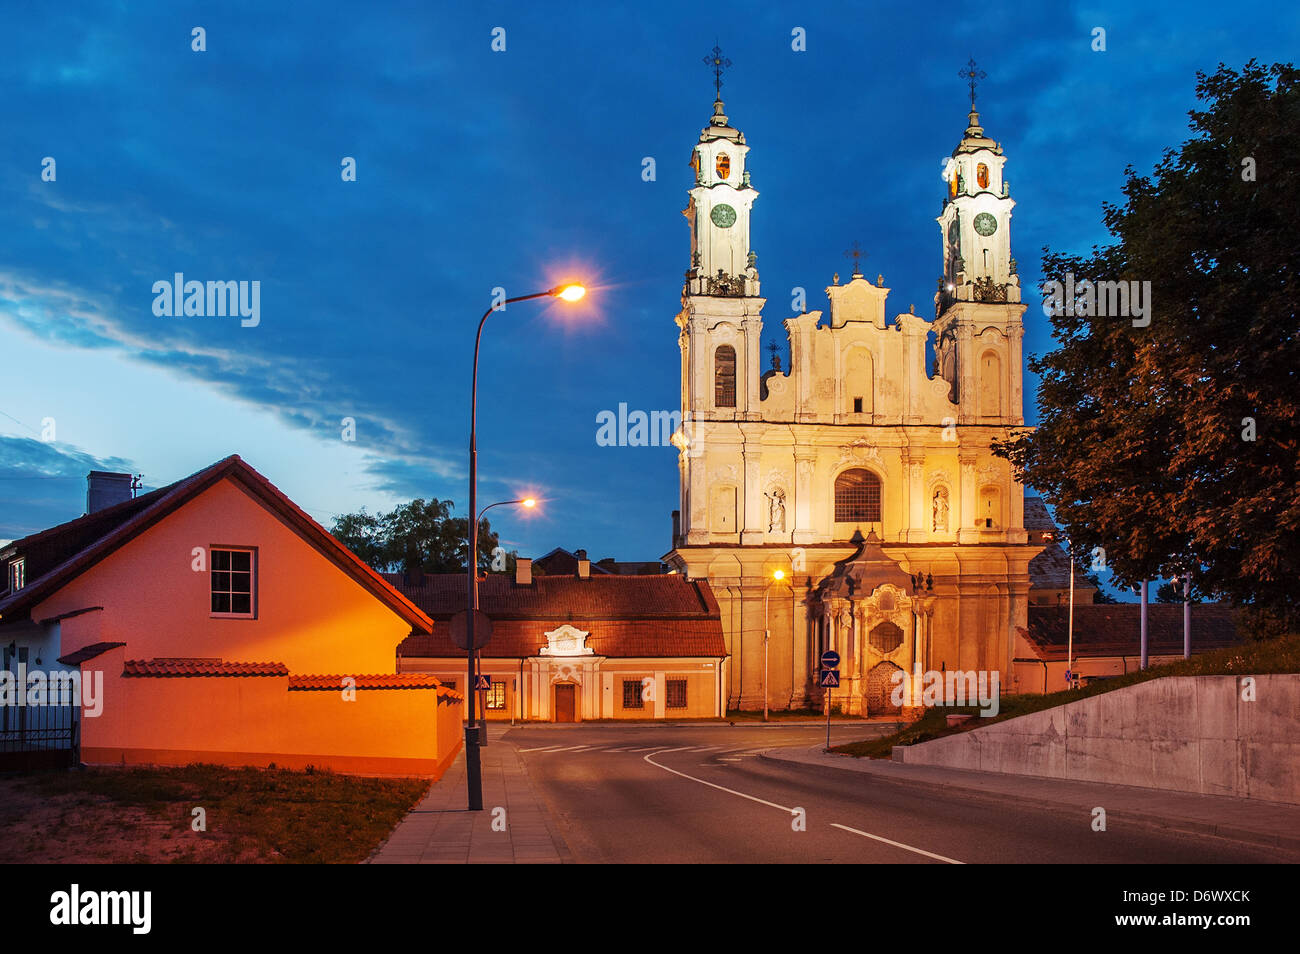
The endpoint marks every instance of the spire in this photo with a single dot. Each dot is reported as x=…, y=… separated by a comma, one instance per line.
x=974, y=137
x=719, y=126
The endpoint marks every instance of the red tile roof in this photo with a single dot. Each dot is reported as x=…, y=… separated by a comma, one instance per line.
x=663, y=596
x=409, y=680
x=71, y=548
x=201, y=667
x=1113, y=629
x=516, y=639
x=627, y=616
x=87, y=652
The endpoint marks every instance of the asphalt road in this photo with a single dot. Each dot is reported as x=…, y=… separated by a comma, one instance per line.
x=699, y=794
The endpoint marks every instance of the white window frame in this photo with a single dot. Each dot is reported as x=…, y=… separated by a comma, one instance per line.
x=17, y=574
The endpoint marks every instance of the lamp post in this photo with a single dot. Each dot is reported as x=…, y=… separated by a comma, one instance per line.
x=530, y=503
x=777, y=577
x=473, y=766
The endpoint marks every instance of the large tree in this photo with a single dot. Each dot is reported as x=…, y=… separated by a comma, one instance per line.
x=420, y=534
x=1174, y=446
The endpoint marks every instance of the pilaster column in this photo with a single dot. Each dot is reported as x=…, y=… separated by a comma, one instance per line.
x=967, y=532
x=754, y=527
x=1017, y=409
x=917, y=529
x=805, y=460
x=753, y=365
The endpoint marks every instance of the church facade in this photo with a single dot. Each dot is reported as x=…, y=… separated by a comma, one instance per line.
x=852, y=502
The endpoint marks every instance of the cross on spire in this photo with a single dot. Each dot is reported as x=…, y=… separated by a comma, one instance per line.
x=856, y=253
x=972, y=73
x=717, y=62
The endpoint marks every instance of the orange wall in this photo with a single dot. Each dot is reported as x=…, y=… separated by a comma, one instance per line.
x=257, y=720
x=310, y=615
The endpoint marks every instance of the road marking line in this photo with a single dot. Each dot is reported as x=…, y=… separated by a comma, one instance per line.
x=898, y=844
x=541, y=748
x=705, y=748
x=721, y=788
x=572, y=748
x=646, y=748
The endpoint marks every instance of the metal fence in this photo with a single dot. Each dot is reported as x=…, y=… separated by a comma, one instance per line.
x=39, y=736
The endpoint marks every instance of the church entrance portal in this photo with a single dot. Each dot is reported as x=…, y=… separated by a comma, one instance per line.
x=566, y=702
x=880, y=686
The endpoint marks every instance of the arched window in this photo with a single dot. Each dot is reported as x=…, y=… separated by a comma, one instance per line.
x=857, y=497
x=724, y=377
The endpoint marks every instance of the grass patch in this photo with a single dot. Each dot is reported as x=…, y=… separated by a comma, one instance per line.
x=144, y=815
x=1252, y=658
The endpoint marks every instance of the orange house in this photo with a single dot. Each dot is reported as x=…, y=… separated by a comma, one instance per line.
x=213, y=620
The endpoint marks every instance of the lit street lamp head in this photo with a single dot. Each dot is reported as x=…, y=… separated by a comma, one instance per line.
x=778, y=575
x=529, y=502
x=570, y=292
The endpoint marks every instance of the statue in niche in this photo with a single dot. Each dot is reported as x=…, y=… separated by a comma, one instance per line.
x=776, y=511
x=940, y=509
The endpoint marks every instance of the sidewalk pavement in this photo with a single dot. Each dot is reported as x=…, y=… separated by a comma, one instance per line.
x=441, y=829
x=1275, y=824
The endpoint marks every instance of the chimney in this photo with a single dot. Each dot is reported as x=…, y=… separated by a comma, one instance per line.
x=524, y=571
x=104, y=489
x=584, y=565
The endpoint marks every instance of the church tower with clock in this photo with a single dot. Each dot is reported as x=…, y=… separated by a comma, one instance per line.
x=852, y=502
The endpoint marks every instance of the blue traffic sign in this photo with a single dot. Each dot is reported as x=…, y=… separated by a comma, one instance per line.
x=830, y=659
x=482, y=682
x=830, y=678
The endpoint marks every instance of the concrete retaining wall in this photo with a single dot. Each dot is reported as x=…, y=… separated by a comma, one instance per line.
x=1182, y=733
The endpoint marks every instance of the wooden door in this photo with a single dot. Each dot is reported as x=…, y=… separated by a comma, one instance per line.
x=565, y=702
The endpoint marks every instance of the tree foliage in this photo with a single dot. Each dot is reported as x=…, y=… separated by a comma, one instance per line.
x=1144, y=442
x=418, y=535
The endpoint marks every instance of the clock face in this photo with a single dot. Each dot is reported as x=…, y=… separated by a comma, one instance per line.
x=723, y=216
x=985, y=224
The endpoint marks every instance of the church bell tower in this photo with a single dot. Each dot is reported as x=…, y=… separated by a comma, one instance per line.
x=977, y=305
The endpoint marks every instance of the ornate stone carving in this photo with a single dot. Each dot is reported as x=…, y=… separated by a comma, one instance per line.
x=566, y=640
x=723, y=285
x=986, y=290
x=725, y=472
x=860, y=451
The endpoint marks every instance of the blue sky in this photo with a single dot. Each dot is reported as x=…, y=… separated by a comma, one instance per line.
x=478, y=169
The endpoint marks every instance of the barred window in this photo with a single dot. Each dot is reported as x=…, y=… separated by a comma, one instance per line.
x=232, y=582
x=632, y=694
x=857, y=497
x=675, y=694
x=495, y=698
x=724, y=377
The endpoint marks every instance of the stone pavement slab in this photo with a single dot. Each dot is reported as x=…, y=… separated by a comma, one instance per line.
x=1275, y=824
x=442, y=830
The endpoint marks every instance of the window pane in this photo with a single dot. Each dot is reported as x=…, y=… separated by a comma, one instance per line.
x=724, y=377
x=241, y=582
x=857, y=497
x=221, y=602
x=221, y=559
x=241, y=560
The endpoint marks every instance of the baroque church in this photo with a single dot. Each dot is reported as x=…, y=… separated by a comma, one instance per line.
x=852, y=502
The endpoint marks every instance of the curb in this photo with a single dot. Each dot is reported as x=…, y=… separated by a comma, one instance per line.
x=1145, y=819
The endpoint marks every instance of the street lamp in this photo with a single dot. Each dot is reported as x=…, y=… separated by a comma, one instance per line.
x=569, y=291
x=777, y=577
